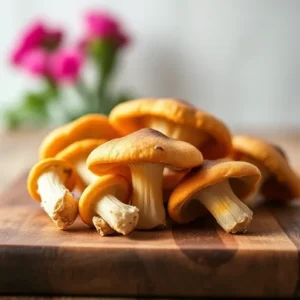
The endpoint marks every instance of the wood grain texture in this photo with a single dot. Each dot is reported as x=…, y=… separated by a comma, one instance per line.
x=197, y=259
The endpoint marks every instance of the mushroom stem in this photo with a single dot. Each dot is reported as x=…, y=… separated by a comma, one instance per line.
x=147, y=194
x=87, y=176
x=178, y=131
x=57, y=200
x=102, y=227
x=231, y=214
x=119, y=216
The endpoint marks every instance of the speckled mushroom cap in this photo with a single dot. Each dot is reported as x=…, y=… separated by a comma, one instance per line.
x=92, y=126
x=109, y=184
x=133, y=115
x=243, y=178
x=146, y=145
x=284, y=183
x=62, y=167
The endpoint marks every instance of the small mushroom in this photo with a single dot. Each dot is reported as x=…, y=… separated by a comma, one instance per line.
x=103, y=205
x=50, y=181
x=77, y=154
x=146, y=152
x=220, y=187
x=278, y=181
x=176, y=119
x=92, y=126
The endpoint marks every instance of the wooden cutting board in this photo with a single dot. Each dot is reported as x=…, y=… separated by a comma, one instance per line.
x=198, y=259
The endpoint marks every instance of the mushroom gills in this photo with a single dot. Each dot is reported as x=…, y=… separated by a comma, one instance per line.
x=231, y=214
x=87, y=176
x=147, y=194
x=178, y=131
x=118, y=215
x=56, y=199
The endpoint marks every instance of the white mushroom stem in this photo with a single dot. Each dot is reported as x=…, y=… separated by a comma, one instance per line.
x=147, y=194
x=86, y=175
x=231, y=214
x=57, y=200
x=178, y=131
x=119, y=216
x=102, y=227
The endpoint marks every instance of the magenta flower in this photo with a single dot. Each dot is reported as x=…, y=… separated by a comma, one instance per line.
x=37, y=35
x=101, y=25
x=36, y=62
x=65, y=65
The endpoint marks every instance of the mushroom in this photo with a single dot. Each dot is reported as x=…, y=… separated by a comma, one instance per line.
x=103, y=205
x=220, y=187
x=50, y=181
x=92, y=126
x=176, y=119
x=278, y=181
x=77, y=154
x=146, y=152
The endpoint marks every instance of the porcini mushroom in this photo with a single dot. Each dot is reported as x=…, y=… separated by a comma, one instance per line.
x=218, y=186
x=50, y=181
x=176, y=119
x=146, y=152
x=106, y=199
x=77, y=154
x=279, y=181
x=92, y=126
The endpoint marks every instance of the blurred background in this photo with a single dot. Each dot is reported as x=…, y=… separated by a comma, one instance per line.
x=236, y=59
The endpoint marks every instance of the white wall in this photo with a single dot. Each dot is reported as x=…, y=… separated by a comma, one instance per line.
x=239, y=59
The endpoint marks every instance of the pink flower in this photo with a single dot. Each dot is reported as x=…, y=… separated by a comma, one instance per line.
x=36, y=62
x=37, y=35
x=101, y=25
x=65, y=65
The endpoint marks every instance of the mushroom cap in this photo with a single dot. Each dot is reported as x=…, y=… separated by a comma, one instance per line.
x=132, y=115
x=143, y=146
x=67, y=174
x=172, y=178
x=109, y=184
x=92, y=126
x=243, y=178
x=284, y=184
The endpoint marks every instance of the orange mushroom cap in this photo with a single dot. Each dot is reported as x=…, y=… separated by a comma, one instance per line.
x=67, y=173
x=133, y=115
x=243, y=178
x=92, y=126
x=284, y=183
x=105, y=185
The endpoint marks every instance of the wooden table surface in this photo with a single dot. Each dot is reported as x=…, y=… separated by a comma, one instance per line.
x=18, y=151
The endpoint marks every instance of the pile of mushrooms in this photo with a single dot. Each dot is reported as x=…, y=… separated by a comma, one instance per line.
x=154, y=158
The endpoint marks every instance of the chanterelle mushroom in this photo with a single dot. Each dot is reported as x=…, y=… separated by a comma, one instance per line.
x=279, y=181
x=146, y=152
x=176, y=119
x=92, y=126
x=106, y=199
x=50, y=181
x=219, y=186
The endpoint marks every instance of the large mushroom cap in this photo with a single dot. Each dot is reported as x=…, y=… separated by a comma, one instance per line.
x=62, y=167
x=146, y=145
x=284, y=184
x=105, y=185
x=243, y=178
x=92, y=126
x=133, y=115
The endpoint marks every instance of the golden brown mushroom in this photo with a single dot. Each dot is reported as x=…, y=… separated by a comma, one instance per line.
x=278, y=181
x=146, y=152
x=103, y=205
x=220, y=187
x=92, y=126
x=50, y=181
x=176, y=119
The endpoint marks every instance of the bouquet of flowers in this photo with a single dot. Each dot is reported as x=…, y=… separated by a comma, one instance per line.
x=41, y=52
